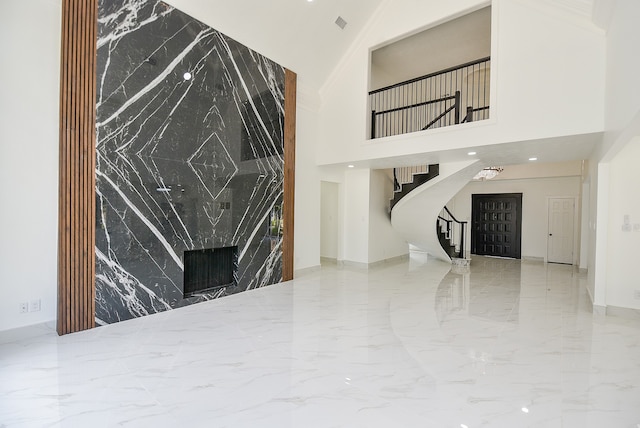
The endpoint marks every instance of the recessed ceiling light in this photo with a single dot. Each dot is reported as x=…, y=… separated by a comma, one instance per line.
x=533, y=159
x=471, y=153
x=351, y=166
x=187, y=76
x=525, y=410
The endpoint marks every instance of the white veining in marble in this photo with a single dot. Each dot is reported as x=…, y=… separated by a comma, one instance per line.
x=406, y=344
x=189, y=157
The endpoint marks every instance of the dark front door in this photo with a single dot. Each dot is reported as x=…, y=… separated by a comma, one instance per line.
x=496, y=224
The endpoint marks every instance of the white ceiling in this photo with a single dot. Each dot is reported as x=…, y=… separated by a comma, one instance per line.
x=298, y=34
x=558, y=149
x=303, y=36
x=583, y=8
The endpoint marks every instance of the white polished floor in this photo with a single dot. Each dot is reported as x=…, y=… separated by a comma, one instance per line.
x=409, y=344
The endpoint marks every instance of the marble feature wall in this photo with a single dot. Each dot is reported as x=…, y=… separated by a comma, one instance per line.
x=189, y=156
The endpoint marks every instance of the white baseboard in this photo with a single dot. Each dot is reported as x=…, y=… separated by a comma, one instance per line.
x=306, y=271
x=390, y=260
x=616, y=311
x=599, y=310
x=349, y=263
x=45, y=328
x=362, y=265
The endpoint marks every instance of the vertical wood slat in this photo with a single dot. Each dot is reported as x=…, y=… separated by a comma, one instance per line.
x=76, y=225
x=290, y=86
x=62, y=175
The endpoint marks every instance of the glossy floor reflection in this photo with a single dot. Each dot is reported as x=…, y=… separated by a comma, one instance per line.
x=409, y=344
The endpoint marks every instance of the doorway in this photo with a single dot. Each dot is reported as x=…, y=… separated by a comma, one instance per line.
x=561, y=230
x=496, y=227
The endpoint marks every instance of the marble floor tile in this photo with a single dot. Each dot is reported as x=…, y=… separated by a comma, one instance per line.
x=403, y=344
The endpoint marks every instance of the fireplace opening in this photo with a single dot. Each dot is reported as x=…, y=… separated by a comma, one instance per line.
x=209, y=269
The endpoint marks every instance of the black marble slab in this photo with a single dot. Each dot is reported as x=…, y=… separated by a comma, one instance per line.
x=188, y=156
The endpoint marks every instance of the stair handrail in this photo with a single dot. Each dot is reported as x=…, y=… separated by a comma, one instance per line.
x=435, y=73
x=448, y=226
x=452, y=216
x=455, y=107
x=463, y=225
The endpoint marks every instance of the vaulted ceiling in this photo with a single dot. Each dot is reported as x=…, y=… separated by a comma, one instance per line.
x=299, y=34
x=583, y=8
x=302, y=34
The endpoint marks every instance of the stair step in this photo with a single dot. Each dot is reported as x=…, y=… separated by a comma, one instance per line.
x=456, y=261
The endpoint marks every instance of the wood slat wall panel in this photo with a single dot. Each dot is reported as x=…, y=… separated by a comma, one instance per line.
x=76, y=234
x=290, y=88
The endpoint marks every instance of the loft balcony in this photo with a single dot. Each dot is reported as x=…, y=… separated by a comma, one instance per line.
x=448, y=97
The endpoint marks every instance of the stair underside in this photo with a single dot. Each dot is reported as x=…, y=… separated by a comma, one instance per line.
x=418, y=180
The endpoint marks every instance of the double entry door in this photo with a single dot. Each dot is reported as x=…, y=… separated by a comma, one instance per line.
x=496, y=228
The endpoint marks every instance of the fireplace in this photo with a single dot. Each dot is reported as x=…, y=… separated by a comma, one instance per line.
x=209, y=269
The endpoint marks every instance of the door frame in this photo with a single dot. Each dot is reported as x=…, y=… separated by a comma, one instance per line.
x=576, y=228
x=520, y=197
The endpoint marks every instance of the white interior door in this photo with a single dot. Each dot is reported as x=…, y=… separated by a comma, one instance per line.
x=560, y=242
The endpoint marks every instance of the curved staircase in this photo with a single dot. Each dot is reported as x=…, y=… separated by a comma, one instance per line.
x=417, y=206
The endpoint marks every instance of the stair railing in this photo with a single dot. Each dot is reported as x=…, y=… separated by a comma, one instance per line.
x=408, y=178
x=432, y=101
x=454, y=229
x=404, y=174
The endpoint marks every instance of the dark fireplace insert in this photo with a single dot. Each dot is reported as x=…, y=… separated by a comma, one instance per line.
x=209, y=269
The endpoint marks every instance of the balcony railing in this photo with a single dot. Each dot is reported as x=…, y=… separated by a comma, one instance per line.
x=448, y=97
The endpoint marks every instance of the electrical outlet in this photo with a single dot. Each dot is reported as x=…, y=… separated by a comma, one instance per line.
x=24, y=307
x=34, y=305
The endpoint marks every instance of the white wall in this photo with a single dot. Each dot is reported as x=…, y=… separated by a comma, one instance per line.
x=598, y=177
x=307, y=194
x=622, y=84
x=364, y=231
x=622, y=246
x=540, y=170
x=384, y=241
x=30, y=45
x=585, y=195
x=537, y=56
x=329, y=209
x=534, y=207
x=354, y=236
x=380, y=78
x=622, y=125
